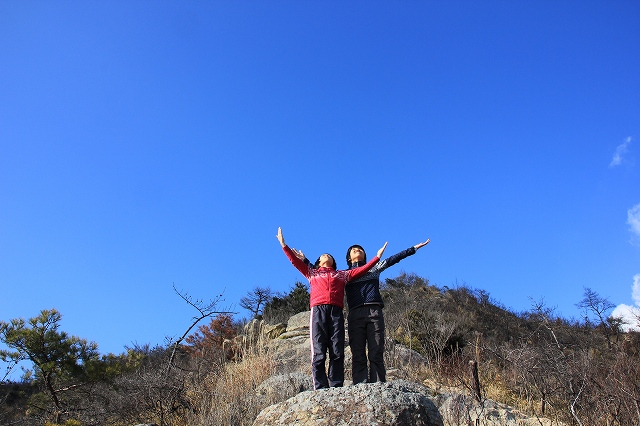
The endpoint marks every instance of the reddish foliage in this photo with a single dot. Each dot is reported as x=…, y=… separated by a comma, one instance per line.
x=209, y=338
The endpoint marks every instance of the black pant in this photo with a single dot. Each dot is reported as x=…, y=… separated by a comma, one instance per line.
x=327, y=332
x=366, y=332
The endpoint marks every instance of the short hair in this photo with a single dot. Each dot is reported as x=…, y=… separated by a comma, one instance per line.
x=349, y=254
x=317, y=264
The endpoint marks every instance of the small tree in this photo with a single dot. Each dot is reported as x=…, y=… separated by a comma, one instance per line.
x=594, y=305
x=281, y=307
x=208, y=340
x=60, y=362
x=256, y=300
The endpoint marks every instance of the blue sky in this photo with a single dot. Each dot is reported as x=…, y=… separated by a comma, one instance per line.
x=150, y=144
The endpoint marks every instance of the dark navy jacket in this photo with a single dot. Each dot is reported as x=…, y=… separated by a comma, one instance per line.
x=366, y=289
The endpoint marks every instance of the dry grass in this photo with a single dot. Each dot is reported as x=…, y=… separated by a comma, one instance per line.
x=229, y=397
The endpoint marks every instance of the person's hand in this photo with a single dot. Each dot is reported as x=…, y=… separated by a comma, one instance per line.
x=280, y=237
x=382, y=250
x=299, y=254
x=417, y=246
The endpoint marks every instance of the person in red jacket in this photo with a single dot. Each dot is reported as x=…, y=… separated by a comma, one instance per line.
x=327, y=319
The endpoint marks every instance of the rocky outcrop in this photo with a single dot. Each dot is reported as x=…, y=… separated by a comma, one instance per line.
x=299, y=321
x=298, y=325
x=397, y=402
x=394, y=403
x=460, y=409
x=284, y=386
x=253, y=330
x=274, y=331
x=292, y=354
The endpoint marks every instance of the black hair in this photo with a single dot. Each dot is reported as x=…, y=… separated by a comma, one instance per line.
x=317, y=264
x=349, y=254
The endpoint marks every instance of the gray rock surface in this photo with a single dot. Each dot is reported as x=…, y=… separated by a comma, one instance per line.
x=294, y=333
x=458, y=409
x=299, y=322
x=273, y=331
x=395, y=403
x=284, y=386
x=292, y=354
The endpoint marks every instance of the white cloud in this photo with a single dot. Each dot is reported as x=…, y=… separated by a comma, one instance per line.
x=633, y=219
x=635, y=290
x=620, y=151
x=630, y=314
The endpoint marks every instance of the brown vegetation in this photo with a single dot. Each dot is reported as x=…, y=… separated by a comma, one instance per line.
x=582, y=373
x=577, y=372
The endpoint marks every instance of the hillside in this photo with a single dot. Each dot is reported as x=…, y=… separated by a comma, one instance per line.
x=531, y=366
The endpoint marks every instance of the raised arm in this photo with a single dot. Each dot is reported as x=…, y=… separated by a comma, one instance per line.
x=392, y=260
x=299, y=264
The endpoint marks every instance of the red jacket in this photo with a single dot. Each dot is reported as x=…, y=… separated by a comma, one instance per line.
x=327, y=284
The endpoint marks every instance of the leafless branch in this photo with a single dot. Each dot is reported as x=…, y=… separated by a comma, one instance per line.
x=204, y=311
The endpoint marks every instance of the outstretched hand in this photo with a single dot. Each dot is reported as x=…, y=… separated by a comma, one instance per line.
x=299, y=254
x=417, y=246
x=382, y=250
x=280, y=237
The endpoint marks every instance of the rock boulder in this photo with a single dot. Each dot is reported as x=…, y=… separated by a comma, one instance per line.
x=396, y=403
x=299, y=322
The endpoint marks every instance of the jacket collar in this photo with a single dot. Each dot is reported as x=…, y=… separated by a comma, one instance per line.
x=357, y=264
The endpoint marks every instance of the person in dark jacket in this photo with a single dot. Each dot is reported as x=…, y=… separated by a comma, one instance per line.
x=365, y=319
x=327, y=319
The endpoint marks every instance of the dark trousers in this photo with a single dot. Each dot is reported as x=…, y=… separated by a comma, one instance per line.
x=366, y=333
x=327, y=333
